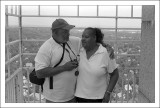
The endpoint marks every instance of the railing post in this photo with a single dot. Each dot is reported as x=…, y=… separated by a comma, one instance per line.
x=20, y=51
x=133, y=96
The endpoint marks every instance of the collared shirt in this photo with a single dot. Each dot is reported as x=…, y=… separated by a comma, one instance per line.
x=49, y=55
x=92, y=79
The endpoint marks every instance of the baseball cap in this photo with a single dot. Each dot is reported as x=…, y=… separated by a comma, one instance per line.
x=61, y=23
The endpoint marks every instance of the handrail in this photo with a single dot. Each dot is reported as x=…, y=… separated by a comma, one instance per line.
x=15, y=73
x=12, y=59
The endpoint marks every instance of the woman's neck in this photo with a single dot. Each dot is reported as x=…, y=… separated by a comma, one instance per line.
x=93, y=47
x=91, y=50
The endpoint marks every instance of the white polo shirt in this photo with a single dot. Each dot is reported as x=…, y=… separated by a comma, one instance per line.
x=49, y=55
x=92, y=79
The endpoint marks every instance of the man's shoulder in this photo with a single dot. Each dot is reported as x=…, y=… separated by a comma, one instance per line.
x=46, y=45
x=74, y=38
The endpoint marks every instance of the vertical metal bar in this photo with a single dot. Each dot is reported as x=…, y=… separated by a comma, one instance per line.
x=40, y=94
x=116, y=98
x=6, y=92
x=78, y=10
x=6, y=9
x=15, y=80
x=127, y=88
x=14, y=100
x=20, y=78
x=58, y=10
x=16, y=9
x=20, y=35
x=97, y=10
x=110, y=101
x=11, y=9
x=28, y=85
x=12, y=93
x=39, y=10
x=116, y=25
x=116, y=49
x=20, y=51
x=9, y=96
x=131, y=10
x=7, y=39
x=34, y=89
x=122, y=89
x=133, y=97
x=18, y=88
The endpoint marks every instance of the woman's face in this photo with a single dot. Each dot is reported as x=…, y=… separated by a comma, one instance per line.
x=88, y=39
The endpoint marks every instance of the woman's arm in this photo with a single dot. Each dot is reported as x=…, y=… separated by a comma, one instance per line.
x=113, y=80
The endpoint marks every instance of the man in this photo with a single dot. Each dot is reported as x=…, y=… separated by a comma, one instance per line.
x=49, y=54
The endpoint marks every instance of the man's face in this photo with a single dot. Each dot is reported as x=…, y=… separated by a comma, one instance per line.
x=62, y=35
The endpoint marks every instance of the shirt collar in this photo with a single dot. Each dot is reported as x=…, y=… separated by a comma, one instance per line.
x=101, y=49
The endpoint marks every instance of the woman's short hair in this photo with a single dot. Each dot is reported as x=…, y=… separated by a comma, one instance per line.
x=99, y=39
x=98, y=33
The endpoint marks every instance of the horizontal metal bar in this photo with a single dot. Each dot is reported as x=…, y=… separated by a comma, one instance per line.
x=115, y=54
x=12, y=59
x=34, y=40
x=11, y=27
x=128, y=68
x=127, y=54
x=8, y=14
x=122, y=40
x=113, y=40
x=12, y=42
x=27, y=67
x=128, y=28
x=80, y=16
x=84, y=28
x=15, y=73
x=29, y=54
x=76, y=5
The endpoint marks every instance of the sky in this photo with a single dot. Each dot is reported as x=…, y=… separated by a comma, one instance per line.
x=91, y=10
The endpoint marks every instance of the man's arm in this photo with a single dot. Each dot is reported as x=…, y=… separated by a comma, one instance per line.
x=51, y=71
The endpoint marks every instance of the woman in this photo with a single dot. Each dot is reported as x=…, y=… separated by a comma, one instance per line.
x=94, y=66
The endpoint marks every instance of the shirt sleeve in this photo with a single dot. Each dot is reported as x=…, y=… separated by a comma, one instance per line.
x=43, y=58
x=111, y=64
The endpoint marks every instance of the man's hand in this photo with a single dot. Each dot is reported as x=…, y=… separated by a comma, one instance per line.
x=106, y=98
x=70, y=65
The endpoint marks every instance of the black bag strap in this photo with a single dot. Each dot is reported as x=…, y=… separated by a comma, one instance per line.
x=71, y=49
x=51, y=78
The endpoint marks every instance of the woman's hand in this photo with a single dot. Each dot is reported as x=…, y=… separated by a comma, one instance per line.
x=106, y=98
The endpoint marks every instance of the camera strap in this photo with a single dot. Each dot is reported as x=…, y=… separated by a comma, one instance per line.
x=51, y=78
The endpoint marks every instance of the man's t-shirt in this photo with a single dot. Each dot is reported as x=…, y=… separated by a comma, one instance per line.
x=49, y=55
